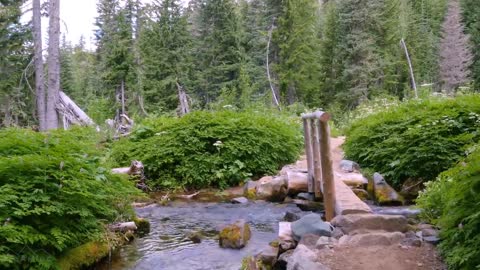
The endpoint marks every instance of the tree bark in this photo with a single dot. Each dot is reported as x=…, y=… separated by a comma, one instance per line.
x=38, y=60
x=412, y=76
x=53, y=64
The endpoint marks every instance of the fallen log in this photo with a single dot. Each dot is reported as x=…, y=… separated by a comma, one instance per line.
x=188, y=197
x=123, y=227
x=136, y=168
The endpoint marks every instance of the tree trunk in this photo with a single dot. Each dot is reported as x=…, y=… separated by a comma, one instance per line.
x=53, y=64
x=38, y=60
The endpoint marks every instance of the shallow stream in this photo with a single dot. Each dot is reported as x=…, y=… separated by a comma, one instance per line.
x=167, y=246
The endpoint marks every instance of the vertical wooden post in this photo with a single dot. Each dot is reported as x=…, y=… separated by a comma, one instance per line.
x=317, y=171
x=328, y=184
x=308, y=151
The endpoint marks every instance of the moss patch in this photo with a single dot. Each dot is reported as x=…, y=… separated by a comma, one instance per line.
x=143, y=226
x=84, y=255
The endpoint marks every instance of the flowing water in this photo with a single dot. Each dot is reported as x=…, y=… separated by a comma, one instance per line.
x=167, y=246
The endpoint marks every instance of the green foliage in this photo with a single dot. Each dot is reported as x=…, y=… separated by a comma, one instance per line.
x=451, y=202
x=54, y=195
x=416, y=139
x=205, y=149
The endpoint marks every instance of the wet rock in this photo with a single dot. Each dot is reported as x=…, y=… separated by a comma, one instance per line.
x=403, y=211
x=272, y=189
x=306, y=196
x=304, y=259
x=195, y=237
x=297, y=182
x=361, y=193
x=310, y=224
x=325, y=242
x=291, y=216
x=249, y=189
x=349, y=166
x=429, y=236
x=374, y=238
x=268, y=256
x=410, y=189
x=240, y=200
x=353, y=222
x=235, y=236
x=305, y=205
x=143, y=226
x=250, y=263
x=384, y=193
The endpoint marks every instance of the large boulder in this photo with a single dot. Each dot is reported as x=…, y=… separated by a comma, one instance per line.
x=384, y=193
x=375, y=238
x=356, y=180
x=349, y=166
x=297, y=182
x=235, y=236
x=310, y=224
x=358, y=222
x=272, y=189
x=304, y=259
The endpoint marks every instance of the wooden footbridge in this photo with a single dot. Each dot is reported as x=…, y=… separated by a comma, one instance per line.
x=338, y=198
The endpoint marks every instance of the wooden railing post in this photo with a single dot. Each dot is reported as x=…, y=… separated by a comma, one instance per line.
x=319, y=160
x=308, y=151
x=317, y=165
x=328, y=184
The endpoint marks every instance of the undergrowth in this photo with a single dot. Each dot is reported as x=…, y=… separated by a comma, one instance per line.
x=452, y=203
x=54, y=196
x=216, y=149
x=417, y=139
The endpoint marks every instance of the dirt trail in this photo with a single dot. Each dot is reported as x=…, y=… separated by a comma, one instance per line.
x=395, y=257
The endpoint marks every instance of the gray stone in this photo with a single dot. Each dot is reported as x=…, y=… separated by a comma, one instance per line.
x=337, y=233
x=426, y=232
x=240, y=200
x=272, y=189
x=285, y=238
x=372, y=239
x=304, y=259
x=353, y=222
x=434, y=240
x=325, y=242
x=378, y=179
x=412, y=242
x=306, y=196
x=349, y=166
x=309, y=240
x=310, y=224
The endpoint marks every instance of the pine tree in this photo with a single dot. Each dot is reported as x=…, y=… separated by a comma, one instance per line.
x=471, y=16
x=455, y=54
x=220, y=55
x=297, y=39
x=165, y=47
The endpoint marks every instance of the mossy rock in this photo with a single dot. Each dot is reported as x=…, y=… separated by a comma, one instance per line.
x=84, y=256
x=386, y=195
x=143, y=226
x=195, y=237
x=235, y=236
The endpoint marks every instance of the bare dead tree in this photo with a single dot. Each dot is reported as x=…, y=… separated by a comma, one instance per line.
x=455, y=50
x=38, y=59
x=183, y=107
x=53, y=64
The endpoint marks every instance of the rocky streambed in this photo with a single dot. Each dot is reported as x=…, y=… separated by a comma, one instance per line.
x=176, y=229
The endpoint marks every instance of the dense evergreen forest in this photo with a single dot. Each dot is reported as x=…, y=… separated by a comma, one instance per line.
x=325, y=54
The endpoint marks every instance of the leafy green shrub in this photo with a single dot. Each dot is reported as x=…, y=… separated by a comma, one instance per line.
x=54, y=196
x=210, y=148
x=452, y=203
x=417, y=139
